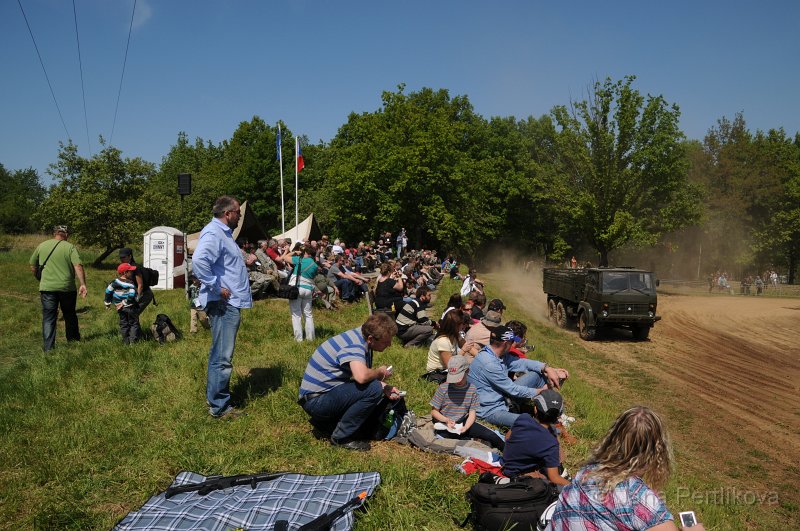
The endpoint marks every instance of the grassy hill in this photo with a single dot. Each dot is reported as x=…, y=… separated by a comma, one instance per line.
x=90, y=430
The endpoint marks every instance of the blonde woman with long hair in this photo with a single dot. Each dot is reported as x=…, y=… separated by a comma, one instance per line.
x=618, y=488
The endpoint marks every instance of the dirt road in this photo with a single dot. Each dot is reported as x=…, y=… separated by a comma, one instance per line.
x=724, y=369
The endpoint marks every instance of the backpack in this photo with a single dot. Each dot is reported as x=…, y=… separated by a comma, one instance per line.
x=517, y=505
x=163, y=329
x=149, y=276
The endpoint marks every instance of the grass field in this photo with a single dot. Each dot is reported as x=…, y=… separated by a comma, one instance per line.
x=91, y=430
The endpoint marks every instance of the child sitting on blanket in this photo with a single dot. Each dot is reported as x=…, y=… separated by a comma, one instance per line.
x=455, y=405
x=532, y=444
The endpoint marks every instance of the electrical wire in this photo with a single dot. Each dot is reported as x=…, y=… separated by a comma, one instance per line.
x=83, y=90
x=124, y=62
x=52, y=93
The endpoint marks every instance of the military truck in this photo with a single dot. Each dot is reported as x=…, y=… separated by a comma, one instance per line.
x=602, y=297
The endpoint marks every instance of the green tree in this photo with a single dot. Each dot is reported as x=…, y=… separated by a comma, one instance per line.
x=624, y=162
x=22, y=194
x=203, y=161
x=101, y=199
x=419, y=162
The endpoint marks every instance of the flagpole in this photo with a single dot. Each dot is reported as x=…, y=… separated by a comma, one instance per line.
x=280, y=163
x=296, y=229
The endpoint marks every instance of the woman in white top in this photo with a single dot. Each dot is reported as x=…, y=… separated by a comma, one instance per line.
x=448, y=342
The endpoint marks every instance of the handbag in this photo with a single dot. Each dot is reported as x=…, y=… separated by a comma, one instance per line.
x=290, y=290
x=40, y=268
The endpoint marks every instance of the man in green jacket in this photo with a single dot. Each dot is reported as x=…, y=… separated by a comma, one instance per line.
x=57, y=285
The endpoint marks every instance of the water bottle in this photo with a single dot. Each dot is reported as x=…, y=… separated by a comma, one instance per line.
x=387, y=422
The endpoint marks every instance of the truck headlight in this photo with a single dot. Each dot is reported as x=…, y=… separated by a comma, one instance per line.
x=651, y=314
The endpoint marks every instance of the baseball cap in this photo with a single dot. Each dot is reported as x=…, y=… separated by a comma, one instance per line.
x=504, y=333
x=122, y=268
x=125, y=251
x=456, y=368
x=61, y=228
x=496, y=305
x=549, y=403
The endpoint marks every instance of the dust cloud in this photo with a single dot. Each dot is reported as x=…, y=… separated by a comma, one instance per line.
x=520, y=279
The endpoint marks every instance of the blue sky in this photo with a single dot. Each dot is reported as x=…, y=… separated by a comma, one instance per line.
x=204, y=66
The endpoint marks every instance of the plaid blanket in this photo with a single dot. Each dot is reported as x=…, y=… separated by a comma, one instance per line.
x=296, y=498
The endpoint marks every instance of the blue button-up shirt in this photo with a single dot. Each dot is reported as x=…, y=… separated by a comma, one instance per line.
x=217, y=263
x=489, y=375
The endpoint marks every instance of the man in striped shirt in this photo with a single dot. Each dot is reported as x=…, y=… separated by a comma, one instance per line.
x=341, y=391
x=414, y=328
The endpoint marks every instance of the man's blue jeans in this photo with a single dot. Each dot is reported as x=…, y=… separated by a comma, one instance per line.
x=50, y=303
x=347, y=406
x=501, y=416
x=225, y=321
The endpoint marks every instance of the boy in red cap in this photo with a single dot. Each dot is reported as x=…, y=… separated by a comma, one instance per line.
x=122, y=294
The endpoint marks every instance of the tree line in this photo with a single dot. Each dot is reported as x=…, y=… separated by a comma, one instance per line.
x=609, y=175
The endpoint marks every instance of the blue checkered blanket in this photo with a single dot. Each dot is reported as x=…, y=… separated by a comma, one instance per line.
x=296, y=498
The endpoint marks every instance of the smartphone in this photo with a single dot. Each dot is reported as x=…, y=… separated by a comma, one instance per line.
x=401, y=393
x=688, y=519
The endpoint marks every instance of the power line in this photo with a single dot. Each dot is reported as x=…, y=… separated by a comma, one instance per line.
x=121, y=77
x=83, y=90
x=52, y=93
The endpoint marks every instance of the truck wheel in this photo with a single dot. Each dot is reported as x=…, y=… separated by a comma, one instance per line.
x=561, y=315
x=551, y=309
x=641, y=332
x=587, y=333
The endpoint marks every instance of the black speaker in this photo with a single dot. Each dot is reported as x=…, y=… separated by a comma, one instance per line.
x=184, y=183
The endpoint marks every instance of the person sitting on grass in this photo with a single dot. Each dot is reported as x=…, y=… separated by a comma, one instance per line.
x=342, y=393
x=455, y=404
x=532, y=447
x=489, y=373
x=618, y=488
x=121, y=292
x=448, y=342
x=414, y=328
x=480, y=332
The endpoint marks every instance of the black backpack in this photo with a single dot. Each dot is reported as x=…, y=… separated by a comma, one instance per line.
x=516, y=505
x=163, y=329
x=149, y=276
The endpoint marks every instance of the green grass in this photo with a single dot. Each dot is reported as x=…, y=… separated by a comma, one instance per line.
x=91, y=430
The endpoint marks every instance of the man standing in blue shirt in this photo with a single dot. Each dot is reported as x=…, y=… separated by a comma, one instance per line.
x=224, y=292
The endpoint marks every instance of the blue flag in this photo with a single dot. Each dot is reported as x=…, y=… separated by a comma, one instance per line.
x=278, y=143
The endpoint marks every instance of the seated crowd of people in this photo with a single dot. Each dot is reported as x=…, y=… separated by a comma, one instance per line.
x=490, y=390
x=344, y=272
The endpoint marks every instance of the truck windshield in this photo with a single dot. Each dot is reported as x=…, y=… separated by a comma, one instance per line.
x=614, y=281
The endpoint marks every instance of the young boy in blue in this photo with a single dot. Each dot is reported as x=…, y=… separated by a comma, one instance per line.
x=532, y=444
x=122, y=294
x=456, y=402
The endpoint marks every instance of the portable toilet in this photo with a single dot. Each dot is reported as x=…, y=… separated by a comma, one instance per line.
x=163, y=251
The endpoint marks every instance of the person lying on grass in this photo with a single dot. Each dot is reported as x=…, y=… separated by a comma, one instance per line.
x=532, y=447
x=455, y=405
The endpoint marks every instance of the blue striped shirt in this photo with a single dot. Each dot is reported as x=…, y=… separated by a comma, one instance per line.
x=328, y=366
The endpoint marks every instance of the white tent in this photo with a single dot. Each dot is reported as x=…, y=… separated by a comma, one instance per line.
x=306, y=230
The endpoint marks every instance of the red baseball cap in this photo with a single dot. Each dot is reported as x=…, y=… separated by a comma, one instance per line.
x=122, y=268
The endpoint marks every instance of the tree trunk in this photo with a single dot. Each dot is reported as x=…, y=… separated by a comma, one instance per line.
x=108, y=251
x=792, y=266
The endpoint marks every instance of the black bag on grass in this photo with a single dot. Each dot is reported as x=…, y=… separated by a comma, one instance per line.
x=437, y=375
x=163, y=329
x=516, y=505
